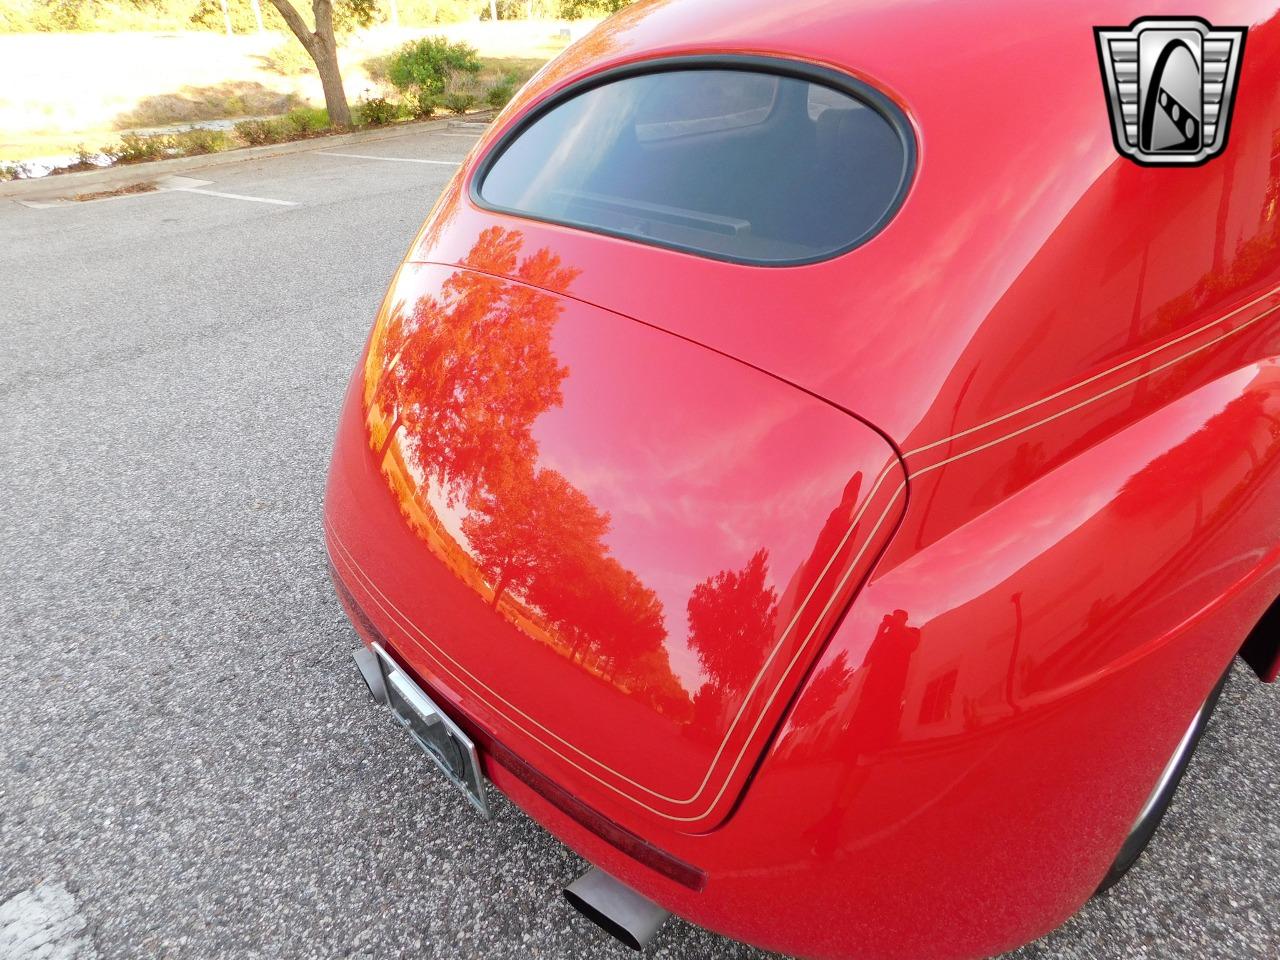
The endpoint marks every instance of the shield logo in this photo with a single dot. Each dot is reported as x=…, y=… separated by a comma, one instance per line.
x=1170, y=84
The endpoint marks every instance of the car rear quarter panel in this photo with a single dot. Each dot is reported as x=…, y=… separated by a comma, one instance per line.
x=994, y=709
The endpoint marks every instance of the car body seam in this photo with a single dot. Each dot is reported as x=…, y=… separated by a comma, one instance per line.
x=805, y=644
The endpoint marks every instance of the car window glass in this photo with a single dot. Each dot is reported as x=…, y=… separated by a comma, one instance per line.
x=732, y=163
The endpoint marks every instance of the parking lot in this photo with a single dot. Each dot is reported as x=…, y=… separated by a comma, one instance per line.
x=185, y=749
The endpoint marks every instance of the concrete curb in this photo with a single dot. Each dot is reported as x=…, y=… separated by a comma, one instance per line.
x=66, y=185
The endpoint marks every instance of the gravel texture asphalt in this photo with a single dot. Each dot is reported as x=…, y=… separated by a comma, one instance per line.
x=184, y=748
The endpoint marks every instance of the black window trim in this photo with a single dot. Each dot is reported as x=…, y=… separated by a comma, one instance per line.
x=778, y=66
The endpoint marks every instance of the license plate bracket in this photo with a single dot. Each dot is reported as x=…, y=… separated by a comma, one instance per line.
x=442, y=740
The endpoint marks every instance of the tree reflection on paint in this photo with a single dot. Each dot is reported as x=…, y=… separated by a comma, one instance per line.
x=453, y=385
x=466, y=373
x=731, y=615
x=455, y=380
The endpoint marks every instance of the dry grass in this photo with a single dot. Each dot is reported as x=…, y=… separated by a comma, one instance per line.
x=235, y=98
x=117, y=192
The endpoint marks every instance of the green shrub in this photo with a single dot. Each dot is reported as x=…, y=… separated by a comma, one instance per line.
x=429, y=63
x=138, y=148
x=458, y=102
x=256, y=133
x=304, y=120
x=421, y=105
x=84, y=160
x=12, y=171
x=376, y=112
x=499, y=96
x=191, y=143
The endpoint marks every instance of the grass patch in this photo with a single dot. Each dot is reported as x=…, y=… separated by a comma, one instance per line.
x=307, y=119
x=517, y=70
x=502, y=77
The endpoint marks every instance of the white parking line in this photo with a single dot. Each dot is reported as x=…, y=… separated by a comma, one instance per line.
x=464, y=136
x=192, y=185
x=43, y=922
x=232, y=196
x=366, y=156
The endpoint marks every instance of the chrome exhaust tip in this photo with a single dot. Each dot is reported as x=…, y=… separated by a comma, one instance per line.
x=616, y=908
x=371, y=673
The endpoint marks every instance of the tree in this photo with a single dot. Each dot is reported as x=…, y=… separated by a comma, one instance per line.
x=521, y=527
x=466, y=370
x=458, y=376
x=733, y=617
x=323, y=48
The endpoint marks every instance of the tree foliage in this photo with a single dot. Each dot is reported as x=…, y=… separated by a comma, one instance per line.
x=577, y=9
x=459, y=377
x=732, y=621
x=732, y=615
x=470, y=370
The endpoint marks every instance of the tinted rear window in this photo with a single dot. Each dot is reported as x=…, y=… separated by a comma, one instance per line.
x=733, y=163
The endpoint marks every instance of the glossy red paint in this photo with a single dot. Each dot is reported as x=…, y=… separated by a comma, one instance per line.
x=614, y=502
x=559, y=552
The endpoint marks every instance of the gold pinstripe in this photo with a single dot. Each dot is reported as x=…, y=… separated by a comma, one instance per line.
x=390, y=608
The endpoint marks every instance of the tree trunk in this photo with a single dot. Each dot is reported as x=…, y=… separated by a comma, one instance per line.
x=498, y=591
x=326, y=58
x=226, y=17
x=493, y=10
x=391, y=435
x=335, y=97
x=324, y=51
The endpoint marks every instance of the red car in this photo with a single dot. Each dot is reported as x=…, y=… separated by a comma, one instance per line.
x=808, y=465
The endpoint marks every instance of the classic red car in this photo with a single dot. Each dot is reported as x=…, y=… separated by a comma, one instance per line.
x=809, y=469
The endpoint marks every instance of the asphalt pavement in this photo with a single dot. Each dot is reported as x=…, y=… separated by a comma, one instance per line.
x=188, y=764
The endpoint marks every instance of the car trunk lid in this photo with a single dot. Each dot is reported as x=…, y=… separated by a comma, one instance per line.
x=618, y=551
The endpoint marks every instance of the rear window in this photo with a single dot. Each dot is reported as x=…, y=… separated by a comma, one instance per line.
x=733, y=163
